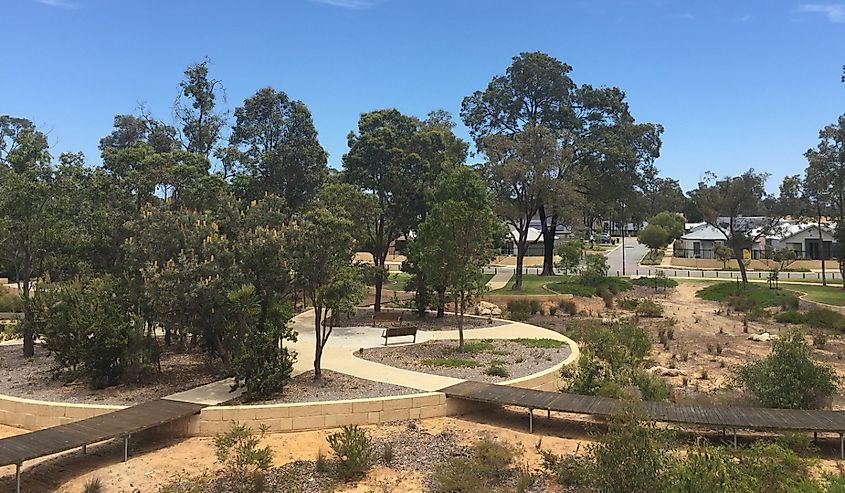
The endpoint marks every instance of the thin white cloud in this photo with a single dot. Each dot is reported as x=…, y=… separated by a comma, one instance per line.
x=350, y=4
x=59, y=4
x=835, y=12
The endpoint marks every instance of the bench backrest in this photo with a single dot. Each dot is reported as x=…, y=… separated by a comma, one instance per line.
x=400, y=331
x=387, y=317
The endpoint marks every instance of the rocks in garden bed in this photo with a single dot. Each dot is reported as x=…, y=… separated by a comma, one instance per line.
x=764, y=337
x=666, y=372
x=485, y=308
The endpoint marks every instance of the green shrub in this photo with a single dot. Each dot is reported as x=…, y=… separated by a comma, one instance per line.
x=534, y=307
x=497, y=371
x=606, y=296
x=824, y=318
x=655, y=282
x=790, y=317
x=88, y=328
x=789, y=377
x=595, y=270
x=261, y=366
x=10, y=302
x=652, y=387
x=648, y=308
x=568, y=470
x=353, y=451
x=631, y=456
x=568, y=307
x=540, y=343
x=819, y=339
x=237, y=449
x=628, y=303
x=519, y=310
x=487, y=466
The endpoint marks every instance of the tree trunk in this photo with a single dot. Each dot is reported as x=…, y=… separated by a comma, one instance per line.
x=461, y=324
x=28, y=331
x=441, y=303
x=741, y=264
x=548, y=242
x=520, y=259
x=318, y=346
x=821, y=249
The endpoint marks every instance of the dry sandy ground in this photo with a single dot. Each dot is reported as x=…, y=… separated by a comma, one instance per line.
x=152, y=464
x=701, y=323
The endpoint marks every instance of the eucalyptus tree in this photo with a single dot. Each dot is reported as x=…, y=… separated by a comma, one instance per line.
x=592, y=129
x=195, y=109
x=457, y=238
x=322, y=247
x=396, y=158
x=274, y=149
x=825, y=181
x=30, y=222
x=727, y=202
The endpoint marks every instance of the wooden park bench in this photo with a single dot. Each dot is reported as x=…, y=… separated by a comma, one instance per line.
x=386, y=318
x=401, y=331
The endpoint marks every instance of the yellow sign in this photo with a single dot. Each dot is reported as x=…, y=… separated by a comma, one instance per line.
x=746, y=254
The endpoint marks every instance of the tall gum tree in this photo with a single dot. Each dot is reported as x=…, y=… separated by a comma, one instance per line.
x=825, y=179
x=536, y=91
x=396, y=159
x=729, y=205
x=274, y=149
x=29, y=220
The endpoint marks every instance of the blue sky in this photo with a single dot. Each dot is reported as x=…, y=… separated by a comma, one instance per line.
x=737, y=84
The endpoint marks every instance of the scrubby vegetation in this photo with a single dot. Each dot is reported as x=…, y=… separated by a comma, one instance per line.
x=817, y=318
x=612, y=362
x=486, y=467
x=656, y=282
x=637, y=456
x=789, y=377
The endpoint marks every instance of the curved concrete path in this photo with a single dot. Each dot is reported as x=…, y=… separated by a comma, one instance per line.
x=338, y=354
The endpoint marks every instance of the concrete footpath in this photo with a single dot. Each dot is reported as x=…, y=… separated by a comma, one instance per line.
x=344, y=341
x=499, y=280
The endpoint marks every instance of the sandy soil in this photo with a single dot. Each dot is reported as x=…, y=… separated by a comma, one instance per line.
x=516, y=358
x=152, y=464
x=701, y=324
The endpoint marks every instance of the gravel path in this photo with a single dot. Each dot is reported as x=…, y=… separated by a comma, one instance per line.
x=32, y=378
x=364, y=317
x=334, y=387
x=517, y=358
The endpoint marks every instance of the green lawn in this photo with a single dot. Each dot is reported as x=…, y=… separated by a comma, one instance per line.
x=831, y=295
x=396, y=280
x=533, y=284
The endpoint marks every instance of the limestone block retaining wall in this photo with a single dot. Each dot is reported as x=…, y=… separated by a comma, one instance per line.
x=35, y=415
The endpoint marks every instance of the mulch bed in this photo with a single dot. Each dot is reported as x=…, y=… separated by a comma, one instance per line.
x=333, y=386
x=364, y=318
x=518, y=359
x=32, y=378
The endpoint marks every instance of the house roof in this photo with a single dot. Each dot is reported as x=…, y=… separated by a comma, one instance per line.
x=704, y=231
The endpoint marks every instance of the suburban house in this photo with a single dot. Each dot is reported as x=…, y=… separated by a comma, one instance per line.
x=803, y=239
x=701, y=240
x=535, y=238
